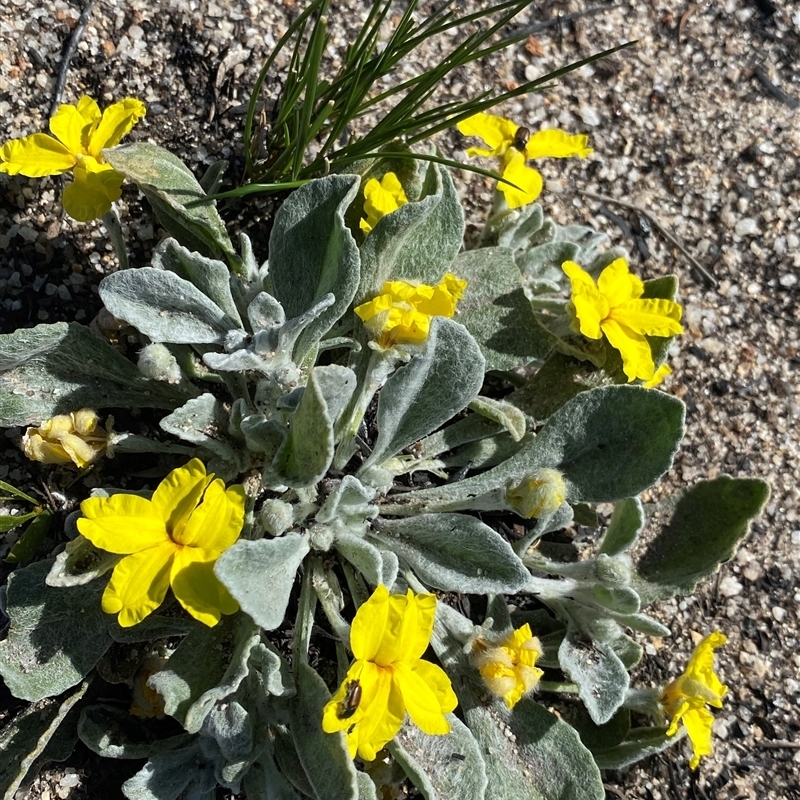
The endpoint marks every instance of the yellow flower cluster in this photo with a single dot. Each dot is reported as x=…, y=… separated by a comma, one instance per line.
x=68, y=438
x=402, y=312
x=81, y=133
x=171, y=540
x=685, y=699
x=381, y=198
x=388, y=677
x=509, y=668
x=614, y=307
x=514, y=146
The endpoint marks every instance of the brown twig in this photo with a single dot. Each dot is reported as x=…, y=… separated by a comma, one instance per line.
x=688, y=13
x=601, y=198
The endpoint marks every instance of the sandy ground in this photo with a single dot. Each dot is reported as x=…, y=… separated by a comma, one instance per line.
x=697, y=125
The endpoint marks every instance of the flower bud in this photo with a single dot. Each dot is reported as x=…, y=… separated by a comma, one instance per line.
x=158, y=363
x=539, y=493
x=276, y=516
x=68, y=438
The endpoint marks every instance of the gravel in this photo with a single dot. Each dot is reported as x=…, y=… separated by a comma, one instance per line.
x=697, y=124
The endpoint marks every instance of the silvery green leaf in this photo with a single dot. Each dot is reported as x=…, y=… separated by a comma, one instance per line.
x=625, y=525
x=348, y=505
x=323, y=756
x=170, y=622
x=212, y=177
x=230, y=727
x=609, y=443
x=518, y=226
x=210, y=276
x=449, y=767
x=531, y=753
x=419, y=240
x=80, y=563
x=643, y=624
x=503, y=413
x=262, y=435
x=454, y=552
x=313, y=253
x=208, y=665
x=306, y=453
x=264, y=782
x=170, y=187
x=113, y=732
x=184, y=774
x=429, y=390
x=706, y=524
x=243, y=567
x=600, y=675
x=265, y=312
x=471, y=428
x=377, y=566
x=366, y=787
x=496, y=311
x=337, y=385
x=55, y=369
x=25, y=737
x=275, y=672
x=640, y=743
x=165, y=307
x=55, y=637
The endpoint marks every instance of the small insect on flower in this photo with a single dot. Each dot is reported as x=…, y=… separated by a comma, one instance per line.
x=352, y=697
x=521, y=138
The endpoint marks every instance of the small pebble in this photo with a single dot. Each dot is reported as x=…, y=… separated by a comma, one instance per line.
x=589, y=116
x=778, y=613
x=730, y=587
x=746, y=226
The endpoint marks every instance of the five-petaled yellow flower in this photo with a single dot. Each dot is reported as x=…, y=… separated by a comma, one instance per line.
x=509, y=668
x=402, y=312
x=614, y=307
x=172, y=540
x=514, y=145
x=381, y=198
x=81, y=132
x=67, y=438
x=388, y=677
x=685, y=699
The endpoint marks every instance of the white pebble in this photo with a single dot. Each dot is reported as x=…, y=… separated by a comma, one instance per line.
x=136, y=32
x=589, y=116
x=730, y=587
x=790, y=279
x=746, y=226
x=796, y=537
x=778, y=613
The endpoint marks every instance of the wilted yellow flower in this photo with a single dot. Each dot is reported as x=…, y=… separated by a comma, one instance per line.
x=509, y=668
x=614, y=307
x=381, y=198
x=514, y=145
x=685, y=699
x=541, y=492
x=172, y=540
x=68, y=438
x=402, y=312
x=81, y=132
x=388, y=637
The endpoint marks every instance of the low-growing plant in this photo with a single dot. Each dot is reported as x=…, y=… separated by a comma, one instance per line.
x=361, y=566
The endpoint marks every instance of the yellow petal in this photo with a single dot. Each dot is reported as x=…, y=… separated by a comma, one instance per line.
x=89, y=110
x=698, y=723
x=71, y=125
x=439, y=683
x=94, y=188
x=662, y=372
x=420, y=700
x=84, y=421
x=637, y=358
x=519, y=173
x=81, y=453
x=35, y=156
x=409, y=625
x=39, y=449
x=650, y=317
x=139, y=584
x=618, y=285
x=116, y=121
x=381, y=711
x=497, y=132
x=368, y=625
x=217, y=522
x=701, y=666
x=122, y=523
x=557, y=144
x=197, y=588
x=332, y=720
x=591, y=308
x=179, y=494
x=380, y=201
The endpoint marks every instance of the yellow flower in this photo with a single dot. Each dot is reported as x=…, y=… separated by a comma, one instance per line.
x=172, y=540
x=81, y=133
x=381, y=198
x=685, y=699
x=67, y=438
x=541, y=492
x=613, y=307
x=509, y=668
x=388, y=637
x=402, y=312
x=662, y=372
x=514, y=145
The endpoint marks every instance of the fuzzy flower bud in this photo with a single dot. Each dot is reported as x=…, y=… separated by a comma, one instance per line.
x=68, y=438
x=509, y=668
x=158, y=363
x=540, y=493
